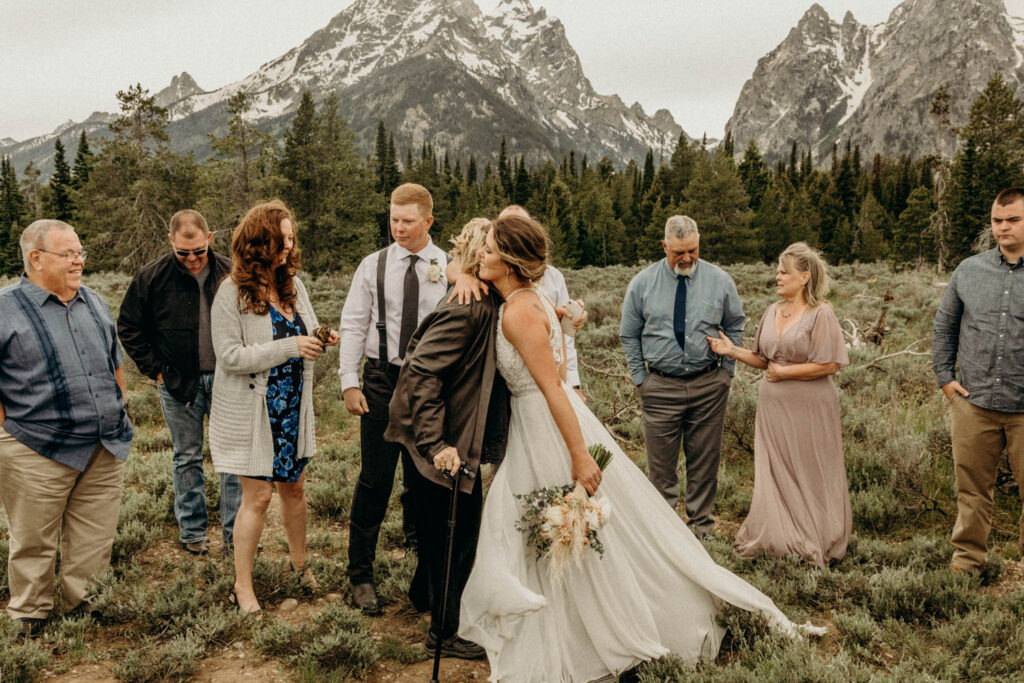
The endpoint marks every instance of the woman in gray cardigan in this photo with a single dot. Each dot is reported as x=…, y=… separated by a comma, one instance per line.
x=261, y=417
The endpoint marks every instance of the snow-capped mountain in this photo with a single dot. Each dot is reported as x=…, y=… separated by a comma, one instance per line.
x=873, y=85
x=439, y=71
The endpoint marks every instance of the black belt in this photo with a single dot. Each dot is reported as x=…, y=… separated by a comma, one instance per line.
x=387, y=367
x=710, y=368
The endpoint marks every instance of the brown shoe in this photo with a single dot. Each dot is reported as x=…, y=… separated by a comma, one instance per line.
x=31, y=627
x=364, y=598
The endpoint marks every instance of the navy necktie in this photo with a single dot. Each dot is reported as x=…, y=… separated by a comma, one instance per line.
x=679, y=315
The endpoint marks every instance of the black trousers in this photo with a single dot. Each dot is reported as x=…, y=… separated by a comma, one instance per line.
x=432, y=503
x=376, y=476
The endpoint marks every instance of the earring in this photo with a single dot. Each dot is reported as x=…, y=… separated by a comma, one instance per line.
x=508, y=272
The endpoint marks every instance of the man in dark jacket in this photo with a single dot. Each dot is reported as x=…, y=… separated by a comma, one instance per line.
x=164, y=326
x=449, y=400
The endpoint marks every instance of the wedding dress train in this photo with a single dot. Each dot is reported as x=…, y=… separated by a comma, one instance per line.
x=655, y=590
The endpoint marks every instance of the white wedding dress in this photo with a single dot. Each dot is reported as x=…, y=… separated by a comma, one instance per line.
x=654, y=591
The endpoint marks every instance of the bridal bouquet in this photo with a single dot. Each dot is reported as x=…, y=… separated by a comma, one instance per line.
x=560, y=521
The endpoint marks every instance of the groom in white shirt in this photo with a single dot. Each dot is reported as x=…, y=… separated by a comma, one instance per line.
x=408, y=278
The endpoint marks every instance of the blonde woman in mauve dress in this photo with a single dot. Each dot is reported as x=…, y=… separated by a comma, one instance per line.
x=801, y=502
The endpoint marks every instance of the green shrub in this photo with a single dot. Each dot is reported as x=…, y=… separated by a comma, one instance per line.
x=21, y=661
x=336, y=640
x=176, y=660
x=918, y=597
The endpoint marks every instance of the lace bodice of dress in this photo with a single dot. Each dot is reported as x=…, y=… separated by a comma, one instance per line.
x=511, y=365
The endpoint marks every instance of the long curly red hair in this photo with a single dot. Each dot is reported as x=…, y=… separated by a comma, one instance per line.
x=256, y=247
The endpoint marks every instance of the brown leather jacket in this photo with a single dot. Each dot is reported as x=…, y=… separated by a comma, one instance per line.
x=449, y=392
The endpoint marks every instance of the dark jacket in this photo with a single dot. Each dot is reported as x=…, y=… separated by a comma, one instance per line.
x=449, y=392
x=159, y=321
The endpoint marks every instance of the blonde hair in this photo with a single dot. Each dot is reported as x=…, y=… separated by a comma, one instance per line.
x=805, y=259
x=522, y=245
x=467, y=244
x=411, y=193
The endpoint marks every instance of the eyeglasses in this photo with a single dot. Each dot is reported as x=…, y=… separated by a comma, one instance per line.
x=69, y=256
x=194, y=252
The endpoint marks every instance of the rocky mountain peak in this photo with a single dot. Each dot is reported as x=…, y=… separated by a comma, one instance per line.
x=873, y=85
x=181, y=86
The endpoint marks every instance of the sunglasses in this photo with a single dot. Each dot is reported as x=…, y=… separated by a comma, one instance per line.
x=194, y=252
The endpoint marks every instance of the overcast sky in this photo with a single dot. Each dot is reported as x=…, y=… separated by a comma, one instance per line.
x=64, y=59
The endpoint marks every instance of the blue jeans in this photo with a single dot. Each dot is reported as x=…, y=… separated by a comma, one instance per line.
x=185, y=423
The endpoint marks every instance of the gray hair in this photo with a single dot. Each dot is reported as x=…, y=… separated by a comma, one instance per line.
x=34, y=237
x=680, y=227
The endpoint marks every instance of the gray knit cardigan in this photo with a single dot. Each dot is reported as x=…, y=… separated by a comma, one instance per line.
x=240, y=439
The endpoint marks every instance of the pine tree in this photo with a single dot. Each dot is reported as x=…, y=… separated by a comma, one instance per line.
x=716, y=200
x=12, y=210
x=83, y=163
x=754, y=174
x=910, y=243
x=521, y=185
x=504, y=171
x=243, y=170
x=648, y=177
x=60, y=184
x=298, y=164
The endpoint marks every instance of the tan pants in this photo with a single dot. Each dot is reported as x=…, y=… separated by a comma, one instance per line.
x=979, y=437
x=48, y=503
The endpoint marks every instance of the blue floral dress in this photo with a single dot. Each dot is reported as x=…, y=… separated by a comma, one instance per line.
x=284, y=395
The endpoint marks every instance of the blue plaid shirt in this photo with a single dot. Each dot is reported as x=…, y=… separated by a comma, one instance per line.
x=646, y=330
x=979, y=327
x=57, y=367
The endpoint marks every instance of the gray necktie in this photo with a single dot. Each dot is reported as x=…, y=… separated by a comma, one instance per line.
x=410, y=305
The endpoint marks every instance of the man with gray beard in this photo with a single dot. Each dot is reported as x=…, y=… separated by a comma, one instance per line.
x=671, y=308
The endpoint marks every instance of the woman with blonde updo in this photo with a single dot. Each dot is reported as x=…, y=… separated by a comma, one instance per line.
x=655, y=590
x=261, y=418
x=801, y=502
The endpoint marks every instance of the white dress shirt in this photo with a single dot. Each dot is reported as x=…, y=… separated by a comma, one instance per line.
x=553, y=286
x=359, y=316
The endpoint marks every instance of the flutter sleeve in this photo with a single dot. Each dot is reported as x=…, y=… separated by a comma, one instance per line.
x=757, y=335
x=827, y=345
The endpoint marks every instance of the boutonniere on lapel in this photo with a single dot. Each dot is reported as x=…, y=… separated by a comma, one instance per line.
x=434, y=271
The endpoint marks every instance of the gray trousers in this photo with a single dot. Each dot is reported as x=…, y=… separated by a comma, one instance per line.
x=690, y=413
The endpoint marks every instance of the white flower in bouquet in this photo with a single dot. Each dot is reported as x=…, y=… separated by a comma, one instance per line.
x=560, y=521
x=554, y=515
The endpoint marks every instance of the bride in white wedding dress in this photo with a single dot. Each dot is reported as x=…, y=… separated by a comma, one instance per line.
x=654, y=591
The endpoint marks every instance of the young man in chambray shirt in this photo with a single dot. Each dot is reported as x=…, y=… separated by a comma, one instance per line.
x=670, y=309
x=979, y=329
x=65, y=433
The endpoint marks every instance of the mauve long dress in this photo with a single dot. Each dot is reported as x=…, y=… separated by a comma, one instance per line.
x=801, y=501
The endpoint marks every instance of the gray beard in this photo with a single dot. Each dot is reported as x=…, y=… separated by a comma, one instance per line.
x=684, y=272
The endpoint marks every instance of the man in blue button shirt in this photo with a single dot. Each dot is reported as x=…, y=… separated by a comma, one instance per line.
x=671, y=308
x=979, y=329
x=65, y=433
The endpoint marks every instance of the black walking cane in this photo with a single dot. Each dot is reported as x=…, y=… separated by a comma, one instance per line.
x=447, y=566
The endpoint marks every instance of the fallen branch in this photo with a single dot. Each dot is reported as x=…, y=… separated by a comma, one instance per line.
x=905, y=352
x=606, y=373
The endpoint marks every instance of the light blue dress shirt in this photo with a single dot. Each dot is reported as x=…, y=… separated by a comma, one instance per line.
x=646, y=330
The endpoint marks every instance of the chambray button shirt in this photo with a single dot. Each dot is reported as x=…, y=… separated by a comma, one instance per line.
x=646, y=330
x=57, y=381
x=979, y=327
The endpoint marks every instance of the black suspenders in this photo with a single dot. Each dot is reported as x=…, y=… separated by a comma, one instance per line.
x=382, y=324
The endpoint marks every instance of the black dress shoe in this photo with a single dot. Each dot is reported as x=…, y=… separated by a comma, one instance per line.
x=83, y=609
x=364, y=598
x=454, y=646
x=31, y=627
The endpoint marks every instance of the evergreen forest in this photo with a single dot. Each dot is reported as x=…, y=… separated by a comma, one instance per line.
x=120, y=191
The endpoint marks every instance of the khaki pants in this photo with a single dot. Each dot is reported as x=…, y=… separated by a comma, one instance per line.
x=979, y=437
x=49, y=504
